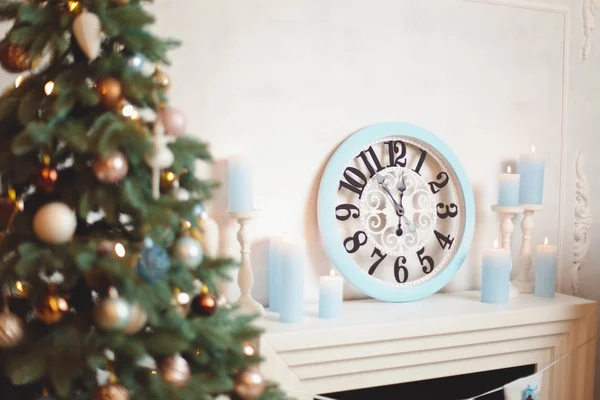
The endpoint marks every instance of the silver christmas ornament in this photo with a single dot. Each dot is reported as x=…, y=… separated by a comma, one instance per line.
x=113, y=313
x=188, y=251
x=175, y=370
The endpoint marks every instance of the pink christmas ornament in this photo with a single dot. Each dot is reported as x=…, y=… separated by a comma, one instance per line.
x=173, y=121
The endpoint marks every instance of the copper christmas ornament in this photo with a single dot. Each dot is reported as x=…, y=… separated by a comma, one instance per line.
x=249, y=384
x=112, y=391
x=112, y=168
x=14, y=58
x=111, y=92
x=52, y=309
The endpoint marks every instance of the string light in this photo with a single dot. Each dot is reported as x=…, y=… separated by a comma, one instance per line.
x=120, y=250
x=183, y=298
x=128, y=110
x=18, y=81
x=153, y=372
x=249, y=350
x=49, y=88
x=19, y=286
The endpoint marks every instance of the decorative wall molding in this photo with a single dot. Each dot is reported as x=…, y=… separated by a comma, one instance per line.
x=583, y=222
x=589, y=8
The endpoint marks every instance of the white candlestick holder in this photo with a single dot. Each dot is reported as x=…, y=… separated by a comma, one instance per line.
x=523, y=282
x=245, y=275
x=506, y=230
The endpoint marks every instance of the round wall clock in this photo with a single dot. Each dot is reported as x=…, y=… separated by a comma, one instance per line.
x=396, y=211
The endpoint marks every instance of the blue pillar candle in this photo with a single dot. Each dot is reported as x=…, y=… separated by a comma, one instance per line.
x=546, y=261
x=275, y=265
x=292, y=282
x=495, y=275
x=331, y=296
x=239, y=181
x=508, y=189
x=531, y=169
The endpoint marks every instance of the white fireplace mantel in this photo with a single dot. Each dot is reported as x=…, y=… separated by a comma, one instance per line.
x=448, y=334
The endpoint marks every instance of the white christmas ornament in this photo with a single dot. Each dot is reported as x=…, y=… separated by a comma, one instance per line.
x=88, y=33
x=161, y=157
x=54, y=223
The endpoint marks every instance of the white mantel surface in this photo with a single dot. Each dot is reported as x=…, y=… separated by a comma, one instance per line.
x=447, y=334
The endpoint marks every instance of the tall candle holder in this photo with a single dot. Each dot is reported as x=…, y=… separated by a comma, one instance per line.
x=245, y=276
x=523, y=282
x=506, y=230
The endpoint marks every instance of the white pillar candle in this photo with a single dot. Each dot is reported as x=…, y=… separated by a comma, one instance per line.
x=546, y=260
x=239, y=180
x=331, y=296
x=508, y=189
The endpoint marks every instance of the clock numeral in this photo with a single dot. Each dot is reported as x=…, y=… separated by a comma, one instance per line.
x=348, y=211
x=397, y=151
x=354, y=242
x=443, y=179
x=363, y=156
x=400, y=270
x=421, y=161
x=376, y=252
x=356, y=181
x=451, y=210
x=444, y=241
x=425, y=260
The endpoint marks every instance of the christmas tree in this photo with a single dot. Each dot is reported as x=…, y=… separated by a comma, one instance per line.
x=107, y=289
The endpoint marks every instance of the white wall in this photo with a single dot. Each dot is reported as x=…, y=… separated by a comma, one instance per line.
x=288, y=81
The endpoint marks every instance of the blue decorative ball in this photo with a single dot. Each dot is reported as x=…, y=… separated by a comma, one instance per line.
x=189, y=252
x=154, y=263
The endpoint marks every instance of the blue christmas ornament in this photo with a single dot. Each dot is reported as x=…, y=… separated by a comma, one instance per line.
x=154, y=263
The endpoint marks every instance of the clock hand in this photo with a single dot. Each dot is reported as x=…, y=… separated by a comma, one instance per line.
x=381, y=182
x=402, y=189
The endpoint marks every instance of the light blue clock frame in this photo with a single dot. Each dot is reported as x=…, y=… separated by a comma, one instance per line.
x=327, y=201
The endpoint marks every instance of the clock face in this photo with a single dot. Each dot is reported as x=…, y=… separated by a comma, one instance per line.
x=400, y=212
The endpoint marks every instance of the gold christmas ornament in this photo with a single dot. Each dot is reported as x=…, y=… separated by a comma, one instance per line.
x=14, y=58
x=137, y=321
x=112, y=313
x=112, y=391
x=169, y=180
x=74, y=6
x=249, y=384
x=175, y=370
x=52, y=308
x=87, y=30
x=11, y=329
x=111, y=92
x=54, y=223
x=112, y=168
x=162, y=79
